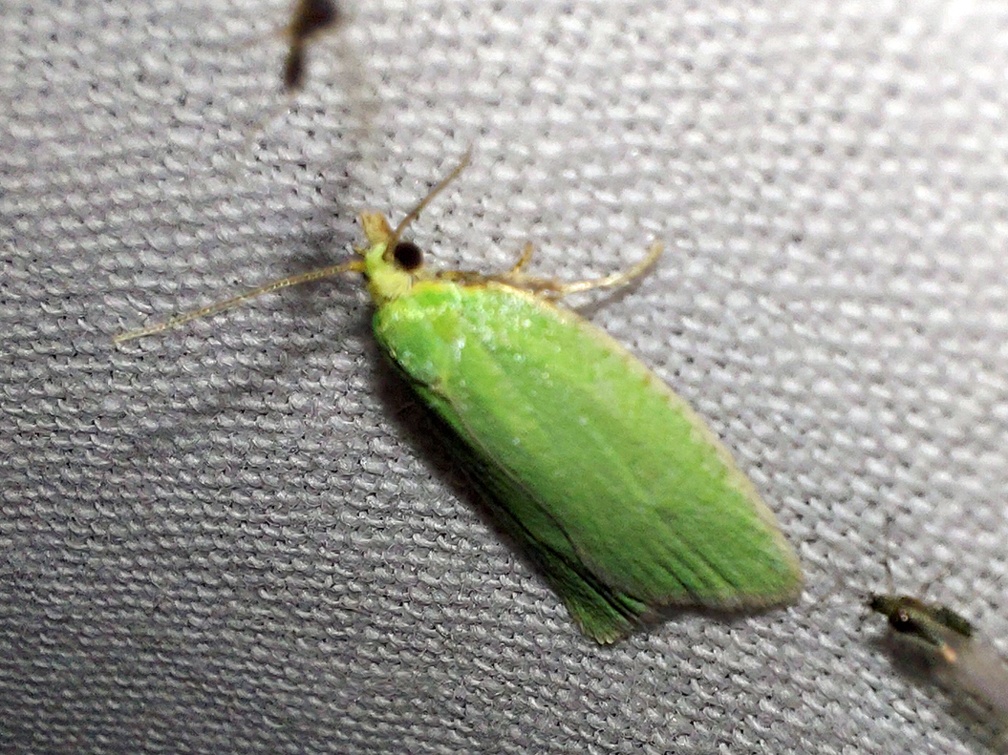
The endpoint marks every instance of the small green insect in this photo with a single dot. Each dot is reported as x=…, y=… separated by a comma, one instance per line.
x=621, y=495
x=950, y=643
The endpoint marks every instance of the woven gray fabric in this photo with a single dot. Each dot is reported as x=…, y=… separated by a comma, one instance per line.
x=238, y=536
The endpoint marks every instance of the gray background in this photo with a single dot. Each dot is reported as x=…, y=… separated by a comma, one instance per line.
x=238, y=536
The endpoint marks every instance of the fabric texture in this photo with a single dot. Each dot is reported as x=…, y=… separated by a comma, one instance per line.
x=241, y=536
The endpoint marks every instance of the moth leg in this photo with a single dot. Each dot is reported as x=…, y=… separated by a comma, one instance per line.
x=514, y=276
x=523, y=259
x=554, y=289
x=620, y=278
x=548, y=287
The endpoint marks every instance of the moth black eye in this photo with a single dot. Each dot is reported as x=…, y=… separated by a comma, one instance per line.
x=407, y=255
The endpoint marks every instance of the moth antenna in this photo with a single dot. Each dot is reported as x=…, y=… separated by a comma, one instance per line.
x=415, y=212
x=887, y=561
x=353, y=266
x=870, y=595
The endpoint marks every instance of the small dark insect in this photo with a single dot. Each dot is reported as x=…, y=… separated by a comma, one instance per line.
x=936, y=627
x=310, y=19
x=950, y=642
x=957, y=655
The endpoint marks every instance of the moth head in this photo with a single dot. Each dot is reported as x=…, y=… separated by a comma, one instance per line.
x=390, y=264
x=400, y=253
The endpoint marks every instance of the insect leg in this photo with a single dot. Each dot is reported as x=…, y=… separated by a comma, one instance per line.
x=620, y=278
x=526, y=256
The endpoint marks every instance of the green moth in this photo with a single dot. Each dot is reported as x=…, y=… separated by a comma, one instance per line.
x=950, y=644
x=621, y=495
